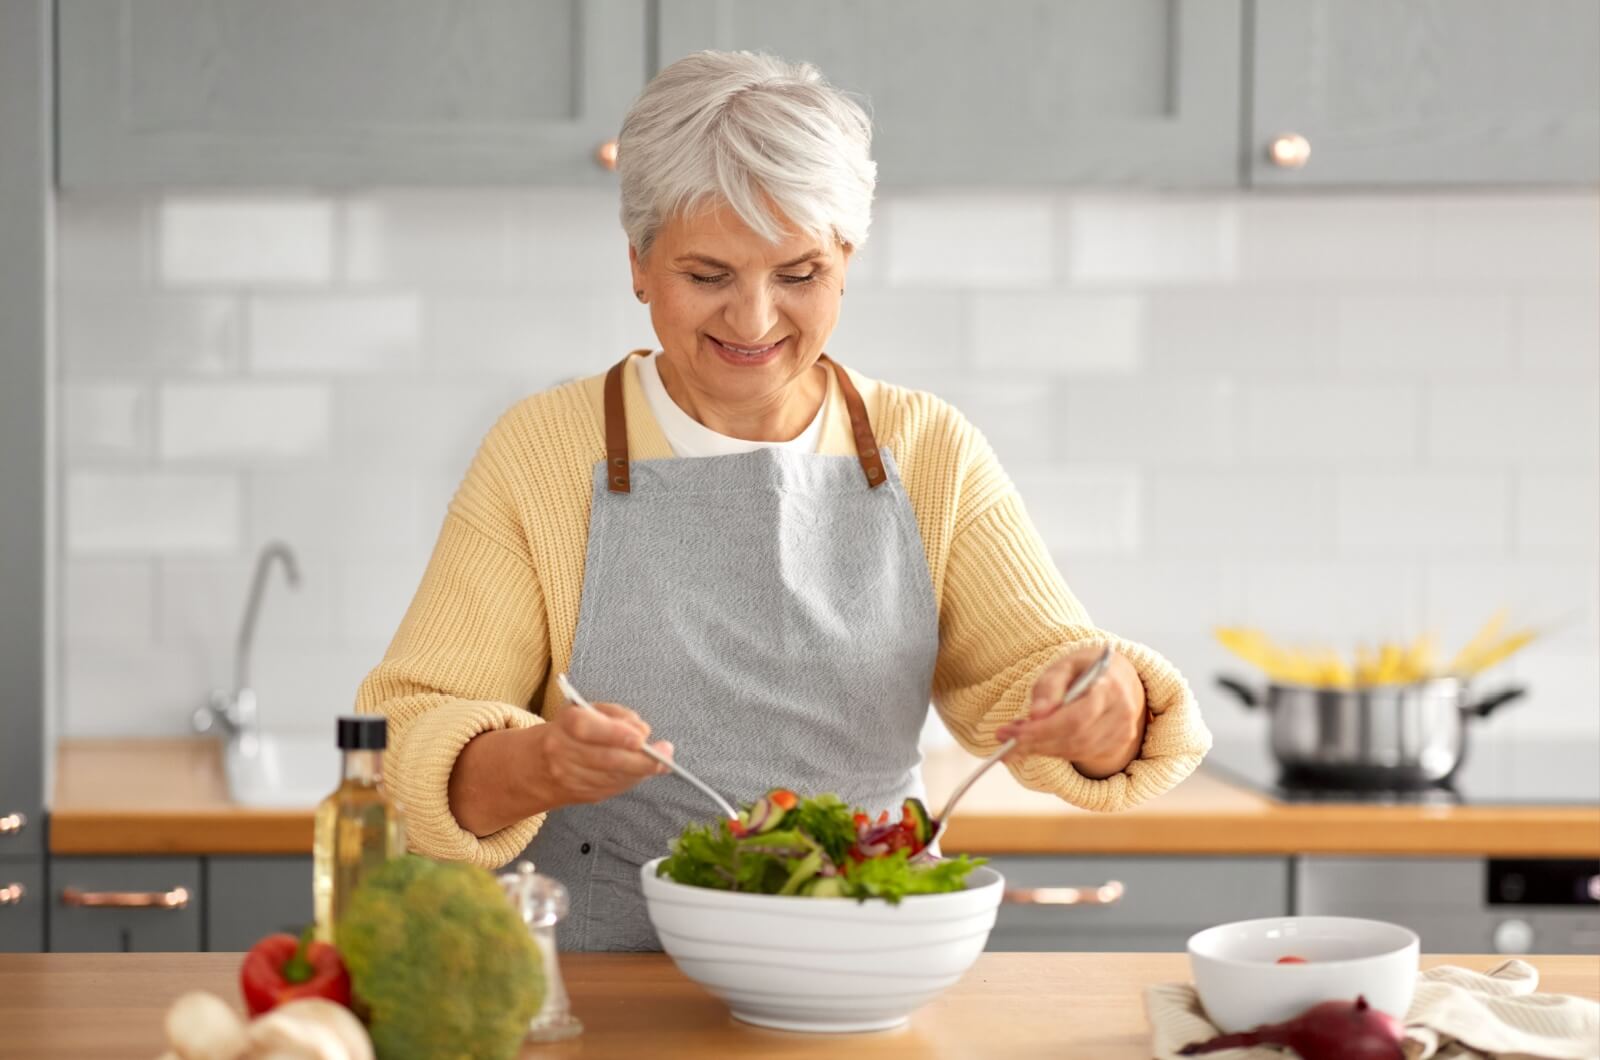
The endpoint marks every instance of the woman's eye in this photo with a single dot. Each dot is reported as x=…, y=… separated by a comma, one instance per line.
x=697, y=278
x=807, y=278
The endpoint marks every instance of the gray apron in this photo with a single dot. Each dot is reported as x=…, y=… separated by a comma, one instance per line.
x=770, y=613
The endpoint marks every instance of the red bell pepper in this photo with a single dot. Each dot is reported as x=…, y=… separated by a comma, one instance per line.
x=282, y=968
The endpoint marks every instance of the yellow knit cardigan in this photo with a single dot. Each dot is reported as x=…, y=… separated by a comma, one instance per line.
x=496, y=611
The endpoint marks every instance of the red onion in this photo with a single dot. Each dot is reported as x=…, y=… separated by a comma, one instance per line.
x=1333, y=1030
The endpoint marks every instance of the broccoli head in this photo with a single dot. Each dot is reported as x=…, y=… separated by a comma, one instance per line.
x=443, y=964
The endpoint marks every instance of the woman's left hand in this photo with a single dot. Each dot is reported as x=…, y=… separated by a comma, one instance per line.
x=1100, y=732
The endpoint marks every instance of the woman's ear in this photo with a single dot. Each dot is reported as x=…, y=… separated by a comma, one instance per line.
x=640, y=290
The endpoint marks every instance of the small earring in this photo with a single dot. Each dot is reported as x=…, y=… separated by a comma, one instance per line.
x=639, y=294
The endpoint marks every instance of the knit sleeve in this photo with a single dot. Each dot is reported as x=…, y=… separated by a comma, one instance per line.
x=1005, y=614
x=469, y=655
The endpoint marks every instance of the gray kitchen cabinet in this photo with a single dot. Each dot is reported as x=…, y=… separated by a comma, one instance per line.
x=125, y=905
x=21, y=906
x=25, y=109
x=347, y=92
x=1119, y=92
x=1164, y=901
x=1396, y=92
x=248, y=897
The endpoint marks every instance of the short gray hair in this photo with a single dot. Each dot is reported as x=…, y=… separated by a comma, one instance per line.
x=742, y=128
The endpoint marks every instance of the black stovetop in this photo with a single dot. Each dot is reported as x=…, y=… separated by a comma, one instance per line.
x=1504, y=772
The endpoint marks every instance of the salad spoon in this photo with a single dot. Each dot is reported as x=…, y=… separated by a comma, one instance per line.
x=1079, y=686
x=578, y=701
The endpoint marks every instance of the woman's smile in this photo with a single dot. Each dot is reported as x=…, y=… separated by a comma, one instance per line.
x=745, y=356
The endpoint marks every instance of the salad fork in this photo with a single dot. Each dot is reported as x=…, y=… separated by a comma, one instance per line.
x=1079, y=686
x=578, y=701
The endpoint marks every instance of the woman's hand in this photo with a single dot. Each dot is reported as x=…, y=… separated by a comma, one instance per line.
x=504, y=775
x=1100, y=732
x=589, y=756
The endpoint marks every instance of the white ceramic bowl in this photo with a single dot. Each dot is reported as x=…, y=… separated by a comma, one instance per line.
x=822, y=964
x=1241, y=985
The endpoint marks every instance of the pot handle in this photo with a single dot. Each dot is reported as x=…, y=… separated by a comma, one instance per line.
x=1245, y=693
x=1485, y=707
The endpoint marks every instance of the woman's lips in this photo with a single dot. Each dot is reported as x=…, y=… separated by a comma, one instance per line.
x=745, y=356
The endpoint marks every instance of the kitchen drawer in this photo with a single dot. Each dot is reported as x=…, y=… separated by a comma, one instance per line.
x=249, y=897
x=1164, y=901
x=21, y=907
x=119, y=928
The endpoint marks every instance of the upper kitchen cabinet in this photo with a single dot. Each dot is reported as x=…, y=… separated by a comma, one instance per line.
x=1398, y=92
x=349, y=92
x=1119, y=92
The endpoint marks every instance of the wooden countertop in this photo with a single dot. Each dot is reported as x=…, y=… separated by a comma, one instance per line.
x=1009, y=1004
x=168, y=796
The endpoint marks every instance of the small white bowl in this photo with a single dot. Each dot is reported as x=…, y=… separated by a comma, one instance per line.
x=822, y=964
x=1241, y=985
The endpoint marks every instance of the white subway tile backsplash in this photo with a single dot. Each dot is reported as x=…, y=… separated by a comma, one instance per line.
x=1550, y=236
x=339, y=335
x=1296, y=239
x=1081, y=510
x=245, y=421
x=1333, y=603
x=1247, y=334
x=111, y=689
x=436, y=239
x=348, y=515
x=983, y=241
x=108, y=600
x=1433, y=514
x=125, y=512
x=1424, y=336
x=1549, y=427
x=1558, y=336
x=417, y=428
x=1151, y=599
x=306, y=690
x=107, y=422
x=102, y=241
x=373, y=597
x=1563, y=693
x=570, y=240
x=1329, y=425
x=1150, y=239
x=105, y=332
x=202, y=602
x=1557, y=514
x=1259, y=514
x=1149, y=423
x=547, y=337
x=228, y=241
x=1058, y=334
x=1017, y=419
x=916, y=339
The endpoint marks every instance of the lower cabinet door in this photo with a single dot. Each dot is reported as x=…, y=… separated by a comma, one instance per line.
x=1130, y=904
x=125, y=905
x=248, y=897
x=21, y=906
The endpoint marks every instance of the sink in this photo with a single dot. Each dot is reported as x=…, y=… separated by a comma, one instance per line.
x=282, y=770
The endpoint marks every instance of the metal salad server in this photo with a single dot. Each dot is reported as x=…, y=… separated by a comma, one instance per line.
x=1079, y=686
x=577, y=700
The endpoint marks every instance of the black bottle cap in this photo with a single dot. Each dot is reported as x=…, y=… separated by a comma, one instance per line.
x=363, y=732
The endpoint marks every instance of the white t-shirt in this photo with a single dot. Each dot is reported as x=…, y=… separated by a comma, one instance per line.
x=689, y=437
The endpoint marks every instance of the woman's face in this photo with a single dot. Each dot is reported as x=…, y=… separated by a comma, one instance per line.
x=739, y=318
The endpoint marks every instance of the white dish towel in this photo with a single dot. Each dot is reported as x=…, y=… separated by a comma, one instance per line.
x=1456, y=1015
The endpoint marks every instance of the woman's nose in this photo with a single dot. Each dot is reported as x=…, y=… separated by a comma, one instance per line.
x=751, y=314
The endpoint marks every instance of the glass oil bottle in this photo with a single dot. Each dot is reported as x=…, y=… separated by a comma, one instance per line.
x=358, y=828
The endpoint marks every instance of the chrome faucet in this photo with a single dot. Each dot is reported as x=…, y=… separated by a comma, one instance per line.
x=234, y=712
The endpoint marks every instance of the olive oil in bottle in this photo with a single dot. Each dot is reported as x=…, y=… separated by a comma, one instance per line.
x=357, y=827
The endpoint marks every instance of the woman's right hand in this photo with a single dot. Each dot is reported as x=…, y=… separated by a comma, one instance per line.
x=589, y=756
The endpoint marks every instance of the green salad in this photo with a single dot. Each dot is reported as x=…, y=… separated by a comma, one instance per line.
x=816, y=847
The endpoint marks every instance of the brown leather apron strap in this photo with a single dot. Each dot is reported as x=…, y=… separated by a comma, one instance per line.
x=860, y=427
x=617, y=472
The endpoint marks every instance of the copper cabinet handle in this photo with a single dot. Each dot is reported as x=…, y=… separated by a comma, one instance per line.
x=1289, y=151
x=177, y=898
x=11, y=894
x=606, y=155
x=12, y=823
x=1108, y=893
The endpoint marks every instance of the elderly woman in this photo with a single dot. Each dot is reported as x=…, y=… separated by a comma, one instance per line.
x=737, y=543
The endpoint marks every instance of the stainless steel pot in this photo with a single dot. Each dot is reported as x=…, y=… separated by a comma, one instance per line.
x=1403, y=736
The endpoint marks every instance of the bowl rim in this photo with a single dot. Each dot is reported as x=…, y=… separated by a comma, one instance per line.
x=1407, y=941
x=832, y=904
